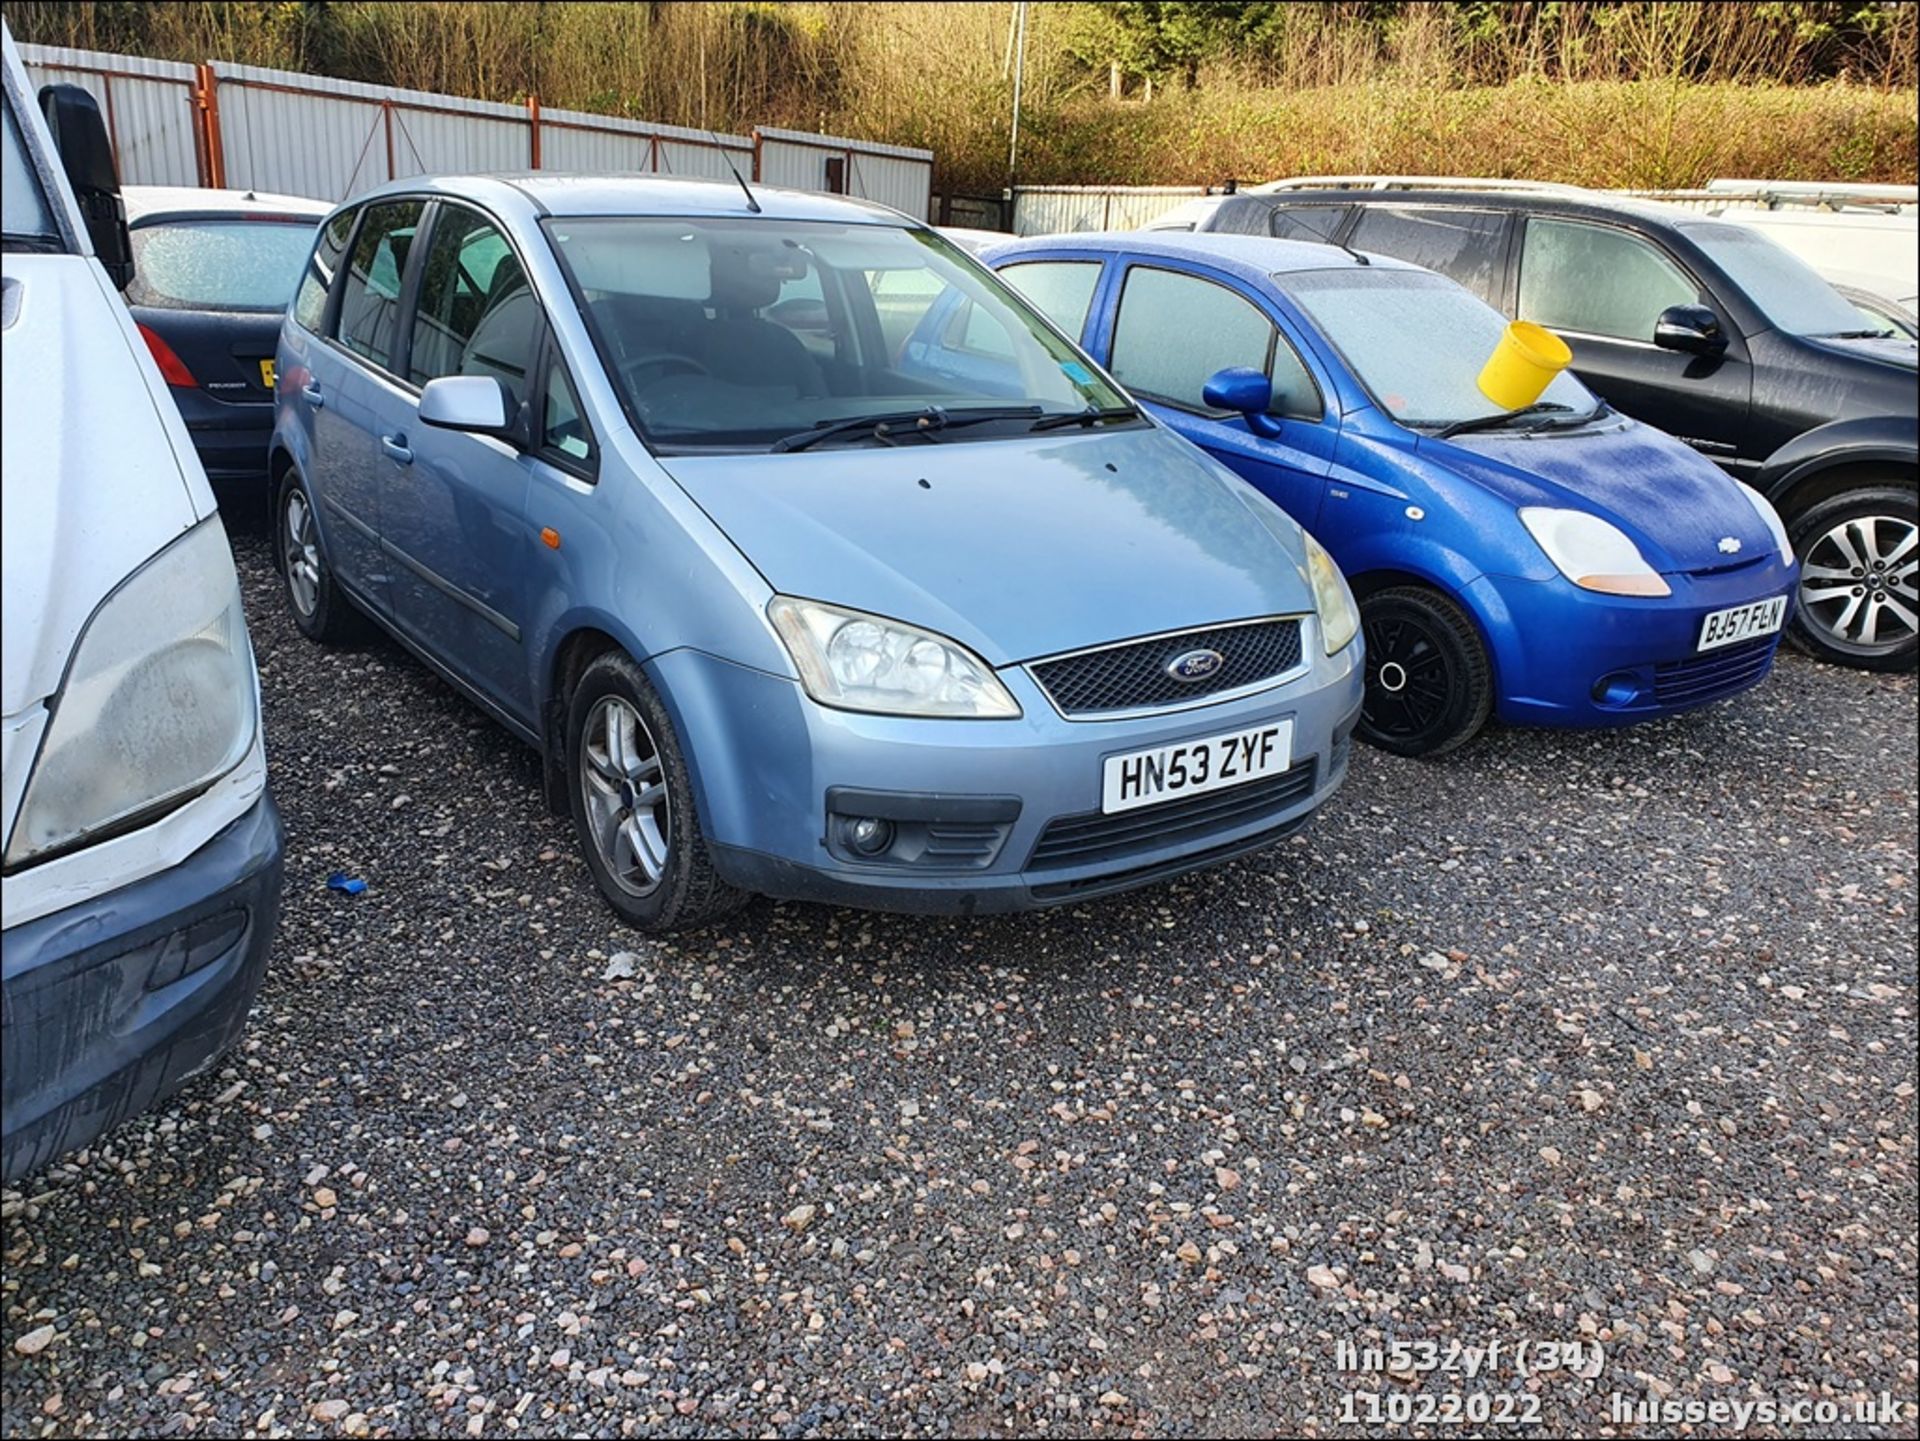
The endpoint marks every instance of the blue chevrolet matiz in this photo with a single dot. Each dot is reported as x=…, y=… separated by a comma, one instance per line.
x=1558, y=564
x=647, y=470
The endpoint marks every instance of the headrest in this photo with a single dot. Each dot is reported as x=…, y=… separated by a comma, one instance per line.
x=747, y=275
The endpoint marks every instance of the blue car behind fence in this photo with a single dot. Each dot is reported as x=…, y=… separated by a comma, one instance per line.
x=1556, y=565
x=792, y=599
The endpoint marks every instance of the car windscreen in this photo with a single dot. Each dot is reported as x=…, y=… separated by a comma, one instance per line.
x=219, y=264
x=740, y=334
x=1782, y=286
x=27, y=218
x=1416, y=341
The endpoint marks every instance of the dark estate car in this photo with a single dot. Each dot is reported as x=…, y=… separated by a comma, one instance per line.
x=1705, y=329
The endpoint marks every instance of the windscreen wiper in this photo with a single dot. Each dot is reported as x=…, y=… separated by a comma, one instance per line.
x=883, y=428
x=1494, y=422
x=1573, y=422
x=1854, y=335
x=1090, y=416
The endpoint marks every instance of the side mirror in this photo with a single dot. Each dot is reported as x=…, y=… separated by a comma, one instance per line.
x=1246, y=390
x=86, y=154
x=1692, y=329
x=477, y=404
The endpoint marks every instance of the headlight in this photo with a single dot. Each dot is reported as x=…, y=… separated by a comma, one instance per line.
x=1767, y=513
x=1339, y=616
x=1593, y=554
x=159, y=702
x=863, y=662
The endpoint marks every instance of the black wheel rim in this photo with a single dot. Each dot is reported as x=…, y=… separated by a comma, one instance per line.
x=1409, y=686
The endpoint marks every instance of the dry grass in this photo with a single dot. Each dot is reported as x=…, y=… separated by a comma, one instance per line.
x=1640, y=94
x=1619, y=133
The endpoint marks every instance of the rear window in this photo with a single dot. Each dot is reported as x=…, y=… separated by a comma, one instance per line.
x=218, y=264
x=1469, y=246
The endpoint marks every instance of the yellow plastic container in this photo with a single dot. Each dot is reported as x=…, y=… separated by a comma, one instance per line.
x=1523, y=364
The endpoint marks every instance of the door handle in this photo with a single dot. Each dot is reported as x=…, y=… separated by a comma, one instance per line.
x=396, y=448
x=311, y=394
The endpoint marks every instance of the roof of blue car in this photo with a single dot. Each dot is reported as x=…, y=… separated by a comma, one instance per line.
x=1250, y=257
x=559, y=194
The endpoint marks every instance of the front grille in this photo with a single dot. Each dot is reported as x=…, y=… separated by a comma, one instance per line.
x=1088, y=839
x=1717, y=673
x=1133, y=675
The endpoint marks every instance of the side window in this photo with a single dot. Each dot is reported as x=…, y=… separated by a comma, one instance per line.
x=901, y=300
x=1597, y=280
x=1061, y=290
x=1173, y=331
x=310, y=303
x=563, y=429
x=1467, y=246
x=477, y=314
x=978, y=333
x=801, y=307
x=1294, y=393
x=370, y=294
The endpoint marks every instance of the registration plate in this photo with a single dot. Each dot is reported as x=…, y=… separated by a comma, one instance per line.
x=1743, y=622
x=1146, y=778
x=266, y=374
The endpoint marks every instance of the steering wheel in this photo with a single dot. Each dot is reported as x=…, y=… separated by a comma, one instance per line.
x=639, y=370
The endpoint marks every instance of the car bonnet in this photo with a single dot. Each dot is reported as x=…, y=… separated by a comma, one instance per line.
x=1682, y=510
x=1016, y=548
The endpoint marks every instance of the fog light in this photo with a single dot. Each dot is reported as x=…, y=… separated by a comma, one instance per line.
x=869, y=836
x=1620, y=689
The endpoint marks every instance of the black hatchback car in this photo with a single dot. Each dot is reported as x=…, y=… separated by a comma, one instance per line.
x=1704, y=328
x=213, y=271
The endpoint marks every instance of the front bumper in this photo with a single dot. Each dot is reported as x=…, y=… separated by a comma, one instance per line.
x=1564, y=656
x=111, y=1004
x=229, y=436
x=974, y=801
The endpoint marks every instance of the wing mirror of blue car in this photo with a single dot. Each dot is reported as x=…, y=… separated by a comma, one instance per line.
x=477, y=404
x=1693, y=329
x=1246, y=390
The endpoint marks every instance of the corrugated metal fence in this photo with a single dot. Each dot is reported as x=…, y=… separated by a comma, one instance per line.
x=221, y=124
x=1062, y=209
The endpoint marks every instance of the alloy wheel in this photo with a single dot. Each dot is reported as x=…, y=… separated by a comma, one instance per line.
x=302, y=548
x=1857, y=583
x=624, y=784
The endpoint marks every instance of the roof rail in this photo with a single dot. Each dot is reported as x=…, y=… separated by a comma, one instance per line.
x=1402, y=182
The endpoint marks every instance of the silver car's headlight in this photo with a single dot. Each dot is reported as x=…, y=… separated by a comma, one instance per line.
x=863, y=662
x=1339, y=616
x=159, y=702
x=1764, y=509
x=1594, y=554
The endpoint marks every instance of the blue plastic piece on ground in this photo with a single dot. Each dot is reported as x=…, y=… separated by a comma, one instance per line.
x=341, y=881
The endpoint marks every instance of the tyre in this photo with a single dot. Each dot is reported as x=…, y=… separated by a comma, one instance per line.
x=632, y=801
x=320, y=608
x=1858, y=553
x=1429, y=683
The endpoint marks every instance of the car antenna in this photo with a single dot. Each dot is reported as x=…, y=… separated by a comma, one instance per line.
x=752, y=204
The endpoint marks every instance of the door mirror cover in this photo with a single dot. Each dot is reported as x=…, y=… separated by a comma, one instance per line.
x=1242, y=388
x=1691, y=329
x=477, y=404
x=86, y=154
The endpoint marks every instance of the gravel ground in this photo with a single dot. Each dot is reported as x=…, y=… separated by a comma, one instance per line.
x=1572, y=1036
